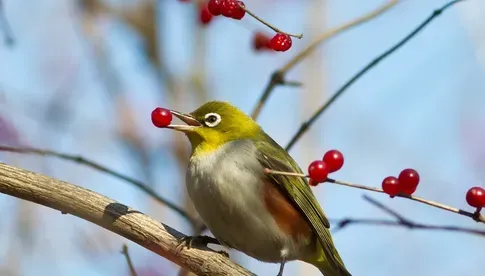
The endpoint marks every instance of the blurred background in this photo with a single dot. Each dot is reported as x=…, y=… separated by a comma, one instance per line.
x=82, y=77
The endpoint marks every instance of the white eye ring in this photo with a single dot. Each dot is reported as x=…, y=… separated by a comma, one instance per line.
x=209, y=119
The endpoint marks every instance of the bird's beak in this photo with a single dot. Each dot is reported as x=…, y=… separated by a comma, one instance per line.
x=192, y=123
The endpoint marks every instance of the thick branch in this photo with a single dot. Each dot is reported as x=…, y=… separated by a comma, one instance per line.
x=116, y=217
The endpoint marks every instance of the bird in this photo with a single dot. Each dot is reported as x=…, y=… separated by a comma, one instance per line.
x=272, y=218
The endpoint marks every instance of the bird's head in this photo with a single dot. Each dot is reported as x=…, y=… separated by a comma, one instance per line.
x=215, y=123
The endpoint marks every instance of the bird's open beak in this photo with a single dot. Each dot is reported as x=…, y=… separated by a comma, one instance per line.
x=191, y=122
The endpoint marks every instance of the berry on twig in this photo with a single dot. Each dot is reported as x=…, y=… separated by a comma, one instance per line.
x=390, y=186
x=318, y=171
x=475, y=197
x=334, y=160
x=281, y=42
x=409, y=180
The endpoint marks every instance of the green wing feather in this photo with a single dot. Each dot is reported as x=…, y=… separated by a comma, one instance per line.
x=274, y=157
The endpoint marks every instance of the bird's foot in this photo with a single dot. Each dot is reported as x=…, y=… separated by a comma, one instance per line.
x=190, y=241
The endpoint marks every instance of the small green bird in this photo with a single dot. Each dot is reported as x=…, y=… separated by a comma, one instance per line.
x=272, y=218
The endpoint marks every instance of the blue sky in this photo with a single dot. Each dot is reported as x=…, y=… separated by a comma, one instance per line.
x=409, y=111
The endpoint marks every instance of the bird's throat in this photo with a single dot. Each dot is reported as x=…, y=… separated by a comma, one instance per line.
x=201, y=146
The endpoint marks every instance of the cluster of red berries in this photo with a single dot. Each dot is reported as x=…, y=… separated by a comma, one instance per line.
x=234, y=9
x=318, y=170
x=406, y=183
x=161, y=117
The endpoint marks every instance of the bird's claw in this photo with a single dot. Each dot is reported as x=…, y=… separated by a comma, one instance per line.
x=189, y=241
x=224, y=253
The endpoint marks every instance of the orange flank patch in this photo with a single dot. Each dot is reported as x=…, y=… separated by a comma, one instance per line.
x=286, y=215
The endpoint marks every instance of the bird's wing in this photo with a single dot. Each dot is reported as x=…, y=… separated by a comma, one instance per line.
x=274, y=157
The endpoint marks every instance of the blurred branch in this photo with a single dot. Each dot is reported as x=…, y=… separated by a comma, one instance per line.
x=401, y=221
x=142, y=19
x=306, y=125
x=96, y=166
x=125, y=252
x=278, y=77
x=475, y=216
x=115, y=217
x=5, y=26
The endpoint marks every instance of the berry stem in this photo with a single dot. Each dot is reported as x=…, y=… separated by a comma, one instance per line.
x=274, y=81
x=475, y=216
x=306, y=125
x=299, y=36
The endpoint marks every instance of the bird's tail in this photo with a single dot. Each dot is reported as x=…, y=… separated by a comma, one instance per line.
x=326, y=268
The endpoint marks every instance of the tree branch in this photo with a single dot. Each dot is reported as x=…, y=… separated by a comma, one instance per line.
x=401, y=221
x=278, y=77
x=116, y=217
x=306, y=125
x=96, y=166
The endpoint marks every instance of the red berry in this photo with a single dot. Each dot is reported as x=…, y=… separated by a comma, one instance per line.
x=408, y=191
x=390, y=186
x=261, y=41
x=161, y=117
x=214, y=7
x=334, y=160
x=318, y=171
x=409, y=179
x=205, y=15
x=475, y=197
x=239, y=12
x=231, y=8
x=281, y=42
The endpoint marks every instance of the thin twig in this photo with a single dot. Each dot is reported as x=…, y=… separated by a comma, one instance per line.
x=125, y=252
x=278, y=77
x=81, y=160
x=475, y=216
x=5, y=26
x=299, y=36
x=342, y=223
x=304, y=127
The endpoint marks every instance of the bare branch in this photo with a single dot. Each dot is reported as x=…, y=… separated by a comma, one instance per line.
x=125, y=252
x=306, y=125
x=116, y=217
x=475, y=216
x=343, y=223
x=401, y=221
x=278, y=77
x=96, y=166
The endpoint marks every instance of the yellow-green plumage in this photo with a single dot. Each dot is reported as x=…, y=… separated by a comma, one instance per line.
x=236, y=126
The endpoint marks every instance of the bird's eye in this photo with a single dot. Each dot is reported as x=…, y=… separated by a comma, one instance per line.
x=212, y=119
